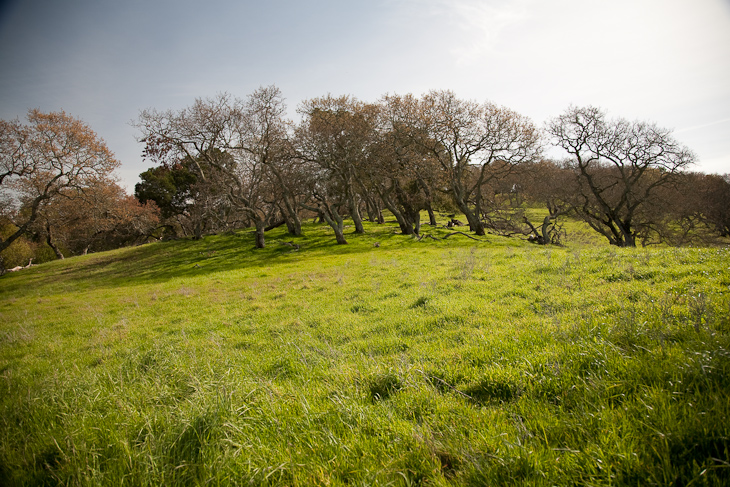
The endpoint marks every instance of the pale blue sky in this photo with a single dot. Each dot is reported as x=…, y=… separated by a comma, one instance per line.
x=103, y=61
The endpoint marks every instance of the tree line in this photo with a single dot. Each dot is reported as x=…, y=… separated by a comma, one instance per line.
x=226, y=163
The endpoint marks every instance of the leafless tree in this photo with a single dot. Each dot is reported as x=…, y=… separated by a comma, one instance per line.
x=618, y=165
x=265, y=137
x=241, y=140
x=402, y=172
x=550, y=184
x=334, y=140
x=466, y=138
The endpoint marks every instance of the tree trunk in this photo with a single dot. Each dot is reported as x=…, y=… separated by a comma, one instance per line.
x=629, y=237
x=294, y=225
x=55, y=248
x=355, y=214
x=260, y=238
x=293, y=222
x=375, y=213
x=475, y=225
x=339, y=235
x=431, y=215
x=49, y=241
x=626, y=236
x=290, y=227
x=546, y=238
x=371, y=208
x=629, y=241
x=405, y=226
x=334, y=220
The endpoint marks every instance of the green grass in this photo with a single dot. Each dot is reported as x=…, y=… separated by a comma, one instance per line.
x=412, y=363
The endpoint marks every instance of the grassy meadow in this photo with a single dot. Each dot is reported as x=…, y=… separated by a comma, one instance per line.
x=388, y=361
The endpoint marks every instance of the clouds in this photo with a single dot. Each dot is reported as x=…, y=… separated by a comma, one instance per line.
x=103, y=61
x=659, y=60
x=480, y=29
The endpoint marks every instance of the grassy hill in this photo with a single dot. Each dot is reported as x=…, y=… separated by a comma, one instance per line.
x=449, y=362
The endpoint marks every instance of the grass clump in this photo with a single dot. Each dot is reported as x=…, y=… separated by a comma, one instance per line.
x=382, y=386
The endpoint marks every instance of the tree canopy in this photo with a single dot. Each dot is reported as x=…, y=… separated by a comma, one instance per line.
x=225, y=163
x=44, y=160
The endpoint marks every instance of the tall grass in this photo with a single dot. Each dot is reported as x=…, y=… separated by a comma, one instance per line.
x=414, y=362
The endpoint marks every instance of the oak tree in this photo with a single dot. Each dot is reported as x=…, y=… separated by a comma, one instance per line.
x=619, y=165
x=334, y=139
x=466, y=138
x=101, y=217
x=234, y=141
x=51, y=154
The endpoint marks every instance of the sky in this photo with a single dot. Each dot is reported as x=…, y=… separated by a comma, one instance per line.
x=103, y=61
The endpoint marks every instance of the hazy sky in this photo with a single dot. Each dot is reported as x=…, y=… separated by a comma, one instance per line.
x=666, y=61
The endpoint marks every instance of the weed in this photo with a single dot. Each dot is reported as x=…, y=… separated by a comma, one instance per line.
x=466, y=263
x=698, y=310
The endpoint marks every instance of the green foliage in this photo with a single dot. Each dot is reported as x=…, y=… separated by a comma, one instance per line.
x=168, y=187
x=23, y=250
x=19, y=252
x=416, y=362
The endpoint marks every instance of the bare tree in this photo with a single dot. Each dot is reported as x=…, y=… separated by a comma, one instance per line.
x=240, y=140
x=619, y=165
x=335, y=136
x=466, y=138
x=401, y=171
x=265, y=138
x=326, y=201
x=551, y=185
x=52, y=154
x=200, y=138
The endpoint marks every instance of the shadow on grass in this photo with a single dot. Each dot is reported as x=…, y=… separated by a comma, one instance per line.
x=186, y=258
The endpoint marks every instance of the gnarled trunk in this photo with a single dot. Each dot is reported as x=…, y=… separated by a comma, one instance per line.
x=334, y=220
x=355, y=214
x=51, y=244
x=260, y=238
x=431, y=215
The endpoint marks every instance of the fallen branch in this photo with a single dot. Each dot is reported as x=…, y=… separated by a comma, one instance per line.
x=274, y=225
x=428, y=235
x=292, y=244
x=20, y=267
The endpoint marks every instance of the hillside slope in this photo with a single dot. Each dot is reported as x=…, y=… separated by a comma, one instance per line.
x=441, y=362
